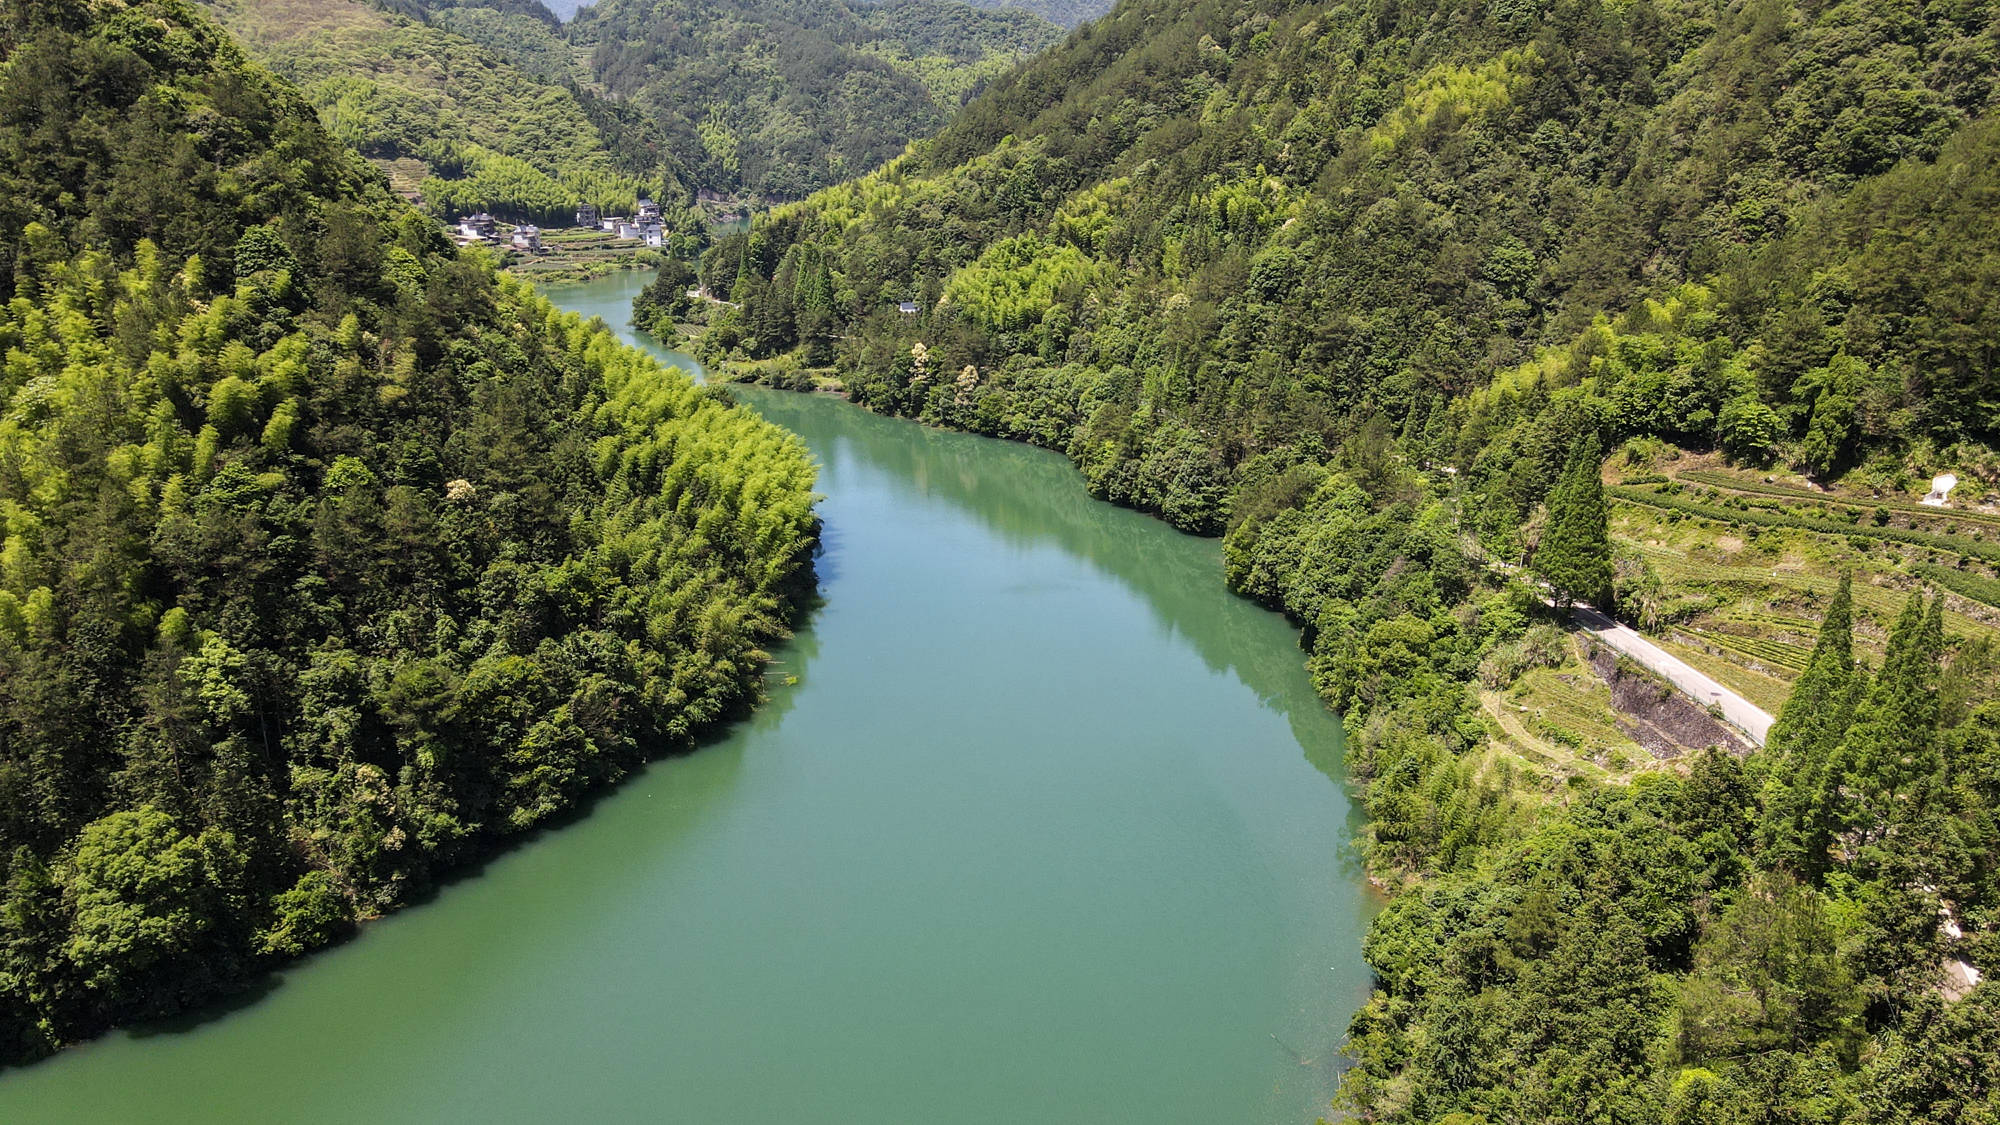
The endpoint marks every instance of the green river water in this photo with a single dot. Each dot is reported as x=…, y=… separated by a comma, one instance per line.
x=1049, y=827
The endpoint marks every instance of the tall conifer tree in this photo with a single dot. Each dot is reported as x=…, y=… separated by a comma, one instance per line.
x=1810, y=727
x=1892, y=744
x=1574, y=555
x=1805, y=725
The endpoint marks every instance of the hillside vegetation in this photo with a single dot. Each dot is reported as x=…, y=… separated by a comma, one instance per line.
x=455, y=121
x=776, y=98
x=493, y=105
x=1063, y=13
x=1363, y=287
x=328, y=558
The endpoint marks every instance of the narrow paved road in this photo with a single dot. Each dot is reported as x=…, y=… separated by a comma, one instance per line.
x=1699, y=686
x=1702, y=688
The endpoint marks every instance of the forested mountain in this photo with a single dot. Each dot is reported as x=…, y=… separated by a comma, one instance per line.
x=1063, y=13
x=493, y=105
x=780, y=97
x=1302, y=219
x=330, y=558
x=1371, y=289
x=470, y=127
x=521, y=31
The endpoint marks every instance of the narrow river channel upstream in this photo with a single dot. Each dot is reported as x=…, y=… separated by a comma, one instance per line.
x=1040, y=824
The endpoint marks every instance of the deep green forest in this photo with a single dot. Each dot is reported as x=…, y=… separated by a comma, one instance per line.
x=331, y=558
x=777, y=98
x=1373, y=290
x=473, y=108
x=492, y=105
x=1064, y=13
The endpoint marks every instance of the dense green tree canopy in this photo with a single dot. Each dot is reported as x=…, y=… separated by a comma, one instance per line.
x=1758, y=228
x=493, y=105
x=328, y=557
x=777, y=98
x=475, y=116
x=1574, y=554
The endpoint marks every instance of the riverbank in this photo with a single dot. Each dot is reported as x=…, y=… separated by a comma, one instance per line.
x=1577, y=692
x=780, y=373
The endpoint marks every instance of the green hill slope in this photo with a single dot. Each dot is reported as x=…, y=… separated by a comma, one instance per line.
x=780, y=97
x=521, y=31
x=459, y=122
x=1352, y=284
x=328, y=558
x=1062, y=13
x=1386, y=213
x=496, y=107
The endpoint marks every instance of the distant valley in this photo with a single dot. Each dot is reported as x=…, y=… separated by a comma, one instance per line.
x=501, y=108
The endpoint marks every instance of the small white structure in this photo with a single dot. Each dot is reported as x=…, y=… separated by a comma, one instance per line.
x=1960, y=975
x=610, y=223
x=1940, y=493
x=527, y=236
x=479, y=227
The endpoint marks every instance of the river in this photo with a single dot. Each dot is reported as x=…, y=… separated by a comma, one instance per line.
x=1040, y=824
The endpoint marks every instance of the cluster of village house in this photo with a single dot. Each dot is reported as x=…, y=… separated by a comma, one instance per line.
x=646, y=226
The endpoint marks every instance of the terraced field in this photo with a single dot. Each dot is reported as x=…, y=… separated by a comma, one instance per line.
x=1558, y=723
x=1764, y=689
x=1850, y=505
x=1732, y=569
